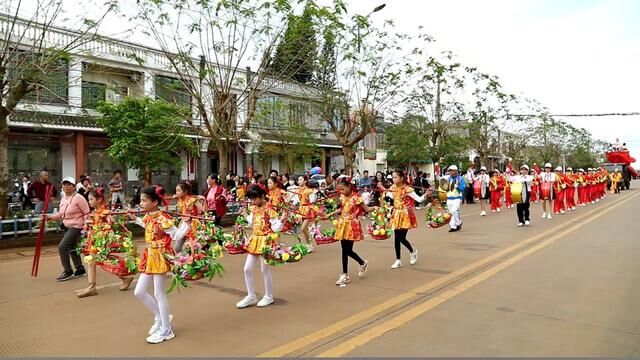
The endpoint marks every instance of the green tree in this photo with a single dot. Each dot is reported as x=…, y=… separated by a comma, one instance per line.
x=208, y=45
x=145, y=134
x=284, y=132
x=368, y=75
x=405, y=143
x=295, y=55
x=436, y=99
x=29, y=61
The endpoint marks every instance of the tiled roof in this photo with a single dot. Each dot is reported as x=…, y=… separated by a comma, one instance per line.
x=44, y=118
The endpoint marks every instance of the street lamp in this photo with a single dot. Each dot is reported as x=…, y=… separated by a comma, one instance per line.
x=376, y=9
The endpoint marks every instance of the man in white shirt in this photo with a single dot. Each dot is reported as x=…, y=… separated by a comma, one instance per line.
x=457, y=185
x=545, y=178
x=522, y=209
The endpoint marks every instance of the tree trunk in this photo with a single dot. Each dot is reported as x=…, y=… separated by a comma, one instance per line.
x=146, y=176
x=223, y=155
x=348, y=161
x=4, y=163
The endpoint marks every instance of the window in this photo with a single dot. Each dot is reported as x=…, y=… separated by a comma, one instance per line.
x=172, y=90
x=53, y=81
x=30, y=156
x=92, y=94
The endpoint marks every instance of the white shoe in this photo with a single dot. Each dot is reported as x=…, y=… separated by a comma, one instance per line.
x=520, y=224
x=310, y=248
x=527, y=223
x=414, y=257
x=498, y=210
x=483, y=213
x=561, y=211
x=549, y=216
x=343, y=279
x=363, y=269
x=397, y=264
x=246, y=302
x=544, y=215
x=161, y=336
x=265, y=301
x=157, y=324
x=493, y=211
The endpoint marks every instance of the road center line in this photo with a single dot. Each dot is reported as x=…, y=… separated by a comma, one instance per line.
x=448, y=294
x=413, y=294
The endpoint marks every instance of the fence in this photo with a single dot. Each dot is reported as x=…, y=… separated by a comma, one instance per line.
x=24, y=226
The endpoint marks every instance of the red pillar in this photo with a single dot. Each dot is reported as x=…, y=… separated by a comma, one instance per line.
x=80, y=154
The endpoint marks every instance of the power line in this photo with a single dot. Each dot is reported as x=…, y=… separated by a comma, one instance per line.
x=581, y=115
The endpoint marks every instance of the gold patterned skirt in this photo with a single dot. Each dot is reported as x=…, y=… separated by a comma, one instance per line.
x=257, y=242
x=403, y=219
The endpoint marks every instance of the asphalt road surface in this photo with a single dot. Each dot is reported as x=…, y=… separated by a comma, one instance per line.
x=561, y=287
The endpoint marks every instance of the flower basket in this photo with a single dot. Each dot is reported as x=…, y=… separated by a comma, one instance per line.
x=117, y=266
x=437, y=215
x=379, y=227
x=235, y=244
x=195, y=262
x=281, y=254
x=322, y=237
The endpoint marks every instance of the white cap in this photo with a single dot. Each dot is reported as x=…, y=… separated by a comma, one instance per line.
x=453, y=167
x=484, y=168
x=589, y=169
x=559, y=168
x=525, y=166
x=569, y=169
x=547, y=165
x=581, y=170
x=68, y=179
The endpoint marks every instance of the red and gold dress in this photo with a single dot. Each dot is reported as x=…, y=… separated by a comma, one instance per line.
x=101, y=222
x=276, y=198
x=261, y=220
x=402, y=215
x=307, y=209
x=187, y=206
x=348, y=227
x=158, y=243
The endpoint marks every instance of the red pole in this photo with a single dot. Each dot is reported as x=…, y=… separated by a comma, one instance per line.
x=36, y=255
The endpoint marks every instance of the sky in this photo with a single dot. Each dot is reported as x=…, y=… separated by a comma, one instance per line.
x=573, y=56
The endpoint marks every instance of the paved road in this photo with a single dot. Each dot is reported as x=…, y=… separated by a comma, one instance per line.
x=561, y=287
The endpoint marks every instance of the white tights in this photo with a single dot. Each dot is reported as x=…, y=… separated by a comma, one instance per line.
x=158, y=304
x=248, y=275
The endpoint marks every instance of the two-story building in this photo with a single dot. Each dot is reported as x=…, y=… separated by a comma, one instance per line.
x=54, y=128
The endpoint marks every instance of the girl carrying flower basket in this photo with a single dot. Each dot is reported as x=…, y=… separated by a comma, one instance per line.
x=403, y=216
x=348, y=228
x=159, y=231
x=265, y=224
x=101, y=240
x=188, y=205
x=322, y=236
x=307, y=208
